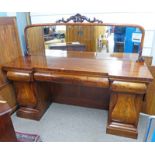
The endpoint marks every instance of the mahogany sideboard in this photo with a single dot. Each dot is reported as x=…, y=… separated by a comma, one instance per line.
x=84, y=79
x=113, y=82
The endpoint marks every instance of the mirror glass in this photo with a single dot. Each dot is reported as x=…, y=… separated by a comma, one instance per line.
x=86, y=38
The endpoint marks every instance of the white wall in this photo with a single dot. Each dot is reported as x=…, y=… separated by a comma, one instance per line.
x=153, y=48
x=142, y=18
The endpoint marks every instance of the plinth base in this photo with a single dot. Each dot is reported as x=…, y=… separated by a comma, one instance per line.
x=120, y=129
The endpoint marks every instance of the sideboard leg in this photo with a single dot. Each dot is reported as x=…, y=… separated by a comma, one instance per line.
x=33, y=98
x=125, y=104
x=36, y=103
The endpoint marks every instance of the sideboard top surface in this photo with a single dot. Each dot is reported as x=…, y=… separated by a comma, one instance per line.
x=84, y=63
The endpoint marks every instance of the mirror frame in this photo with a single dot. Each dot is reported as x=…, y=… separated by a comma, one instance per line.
x=78, y=20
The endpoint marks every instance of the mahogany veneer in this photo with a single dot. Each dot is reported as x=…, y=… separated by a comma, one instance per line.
x=125, y=105
x=73, y=79
x=112, y=68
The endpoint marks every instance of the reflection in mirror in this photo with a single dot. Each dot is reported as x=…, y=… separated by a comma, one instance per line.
x=58, y=37
x=93, y=38
x=86, y=38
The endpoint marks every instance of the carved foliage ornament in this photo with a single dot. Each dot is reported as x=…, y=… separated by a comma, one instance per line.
x=79, y=18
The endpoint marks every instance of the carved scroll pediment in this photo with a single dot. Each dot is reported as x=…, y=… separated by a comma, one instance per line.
x=79, y=18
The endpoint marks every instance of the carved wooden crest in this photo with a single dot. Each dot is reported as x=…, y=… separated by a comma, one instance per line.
x=79, y=18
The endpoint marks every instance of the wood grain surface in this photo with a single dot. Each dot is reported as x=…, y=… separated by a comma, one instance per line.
x=9, y=50
x=125, y=105
x=99, y=67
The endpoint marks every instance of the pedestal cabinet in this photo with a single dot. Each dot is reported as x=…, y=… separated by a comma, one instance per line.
x=125, y=104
